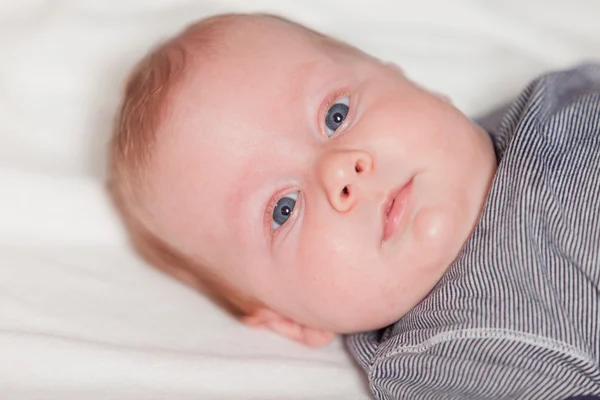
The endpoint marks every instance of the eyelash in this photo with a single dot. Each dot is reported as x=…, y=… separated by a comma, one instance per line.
x=271, y=208
x=330, y=100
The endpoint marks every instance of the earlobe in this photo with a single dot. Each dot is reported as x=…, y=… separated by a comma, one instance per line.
x=437, y=94
x=443, y=97
x=266, y=318
x=395, y=67
x=316, y=337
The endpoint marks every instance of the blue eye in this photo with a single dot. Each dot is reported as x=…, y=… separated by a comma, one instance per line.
x=336, y=115
x=283, y=209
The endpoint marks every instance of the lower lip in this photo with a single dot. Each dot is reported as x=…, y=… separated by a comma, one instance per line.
x=394, y=218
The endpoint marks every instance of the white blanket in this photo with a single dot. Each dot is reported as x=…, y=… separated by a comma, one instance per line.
x=80, y=316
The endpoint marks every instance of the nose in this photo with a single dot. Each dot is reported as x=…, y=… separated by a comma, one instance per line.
x=342, y=174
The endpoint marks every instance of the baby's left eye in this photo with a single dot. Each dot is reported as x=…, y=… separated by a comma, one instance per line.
x=336, y=115
x=283, y=210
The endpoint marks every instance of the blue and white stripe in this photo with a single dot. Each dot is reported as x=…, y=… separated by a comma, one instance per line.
x=517, y=315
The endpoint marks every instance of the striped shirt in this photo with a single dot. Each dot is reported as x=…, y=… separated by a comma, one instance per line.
x=517, y=314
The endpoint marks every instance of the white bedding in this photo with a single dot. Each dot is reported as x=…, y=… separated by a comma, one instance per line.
x=80, y=316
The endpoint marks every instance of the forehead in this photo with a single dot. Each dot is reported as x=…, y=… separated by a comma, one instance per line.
x=261, y=59
x=246, y=83
x=231, y=98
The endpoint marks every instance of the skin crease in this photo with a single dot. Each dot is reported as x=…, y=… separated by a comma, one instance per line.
x=247, y=127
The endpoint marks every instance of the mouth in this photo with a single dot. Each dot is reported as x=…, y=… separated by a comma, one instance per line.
x=394, y=209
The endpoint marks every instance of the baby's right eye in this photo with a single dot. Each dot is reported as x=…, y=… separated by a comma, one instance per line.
x=282, y=210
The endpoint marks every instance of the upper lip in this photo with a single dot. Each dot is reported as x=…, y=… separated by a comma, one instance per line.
x=387, y=206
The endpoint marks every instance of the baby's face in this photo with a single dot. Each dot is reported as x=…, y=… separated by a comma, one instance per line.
x=320, y=181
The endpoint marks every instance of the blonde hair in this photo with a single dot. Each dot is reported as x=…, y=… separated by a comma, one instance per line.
x=131, y=148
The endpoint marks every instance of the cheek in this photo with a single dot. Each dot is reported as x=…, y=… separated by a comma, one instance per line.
x=340, y=288
x=333, y=257
x=404, y=128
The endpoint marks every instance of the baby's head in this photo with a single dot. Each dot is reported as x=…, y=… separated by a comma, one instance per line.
x=302, y=184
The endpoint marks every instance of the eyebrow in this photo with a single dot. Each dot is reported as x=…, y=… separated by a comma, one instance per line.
x=301, y=75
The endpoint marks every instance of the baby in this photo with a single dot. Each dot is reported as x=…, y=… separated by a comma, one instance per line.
x=311, y=189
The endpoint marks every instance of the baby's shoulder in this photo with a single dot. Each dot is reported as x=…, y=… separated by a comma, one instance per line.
x=569, y=110
x=552, y=93
x=559, y=107
x=563, y=89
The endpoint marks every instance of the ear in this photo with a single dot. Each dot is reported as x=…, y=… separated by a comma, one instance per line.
x=395, y=67
x=442, y=97
x=266, y=318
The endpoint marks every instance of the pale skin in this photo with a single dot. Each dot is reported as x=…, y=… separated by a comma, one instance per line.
x=337, y=134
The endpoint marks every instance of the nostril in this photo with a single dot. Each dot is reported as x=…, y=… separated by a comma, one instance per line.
x=359, y=166
x=345, y=191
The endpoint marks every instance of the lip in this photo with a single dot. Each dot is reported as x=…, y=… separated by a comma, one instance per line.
x=396, y=204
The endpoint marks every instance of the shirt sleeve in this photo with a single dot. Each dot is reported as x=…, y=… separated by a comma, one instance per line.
x=482, y=365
